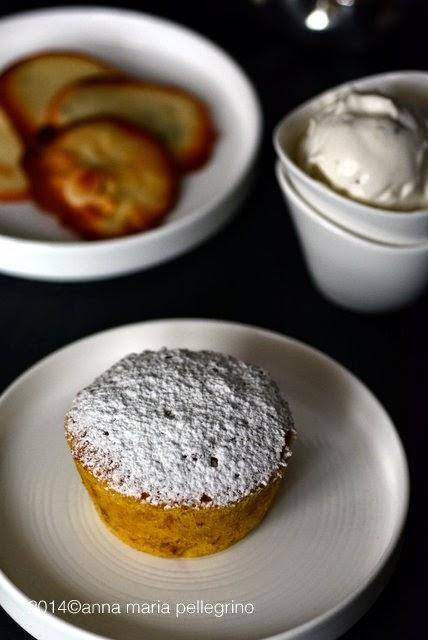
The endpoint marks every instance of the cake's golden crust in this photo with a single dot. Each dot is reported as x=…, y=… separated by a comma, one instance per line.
x=177, y=531
x=174, y=471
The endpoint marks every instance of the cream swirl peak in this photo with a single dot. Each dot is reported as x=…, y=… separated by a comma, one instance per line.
x=370, y=148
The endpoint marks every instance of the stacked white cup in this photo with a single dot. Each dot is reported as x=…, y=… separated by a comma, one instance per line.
x=360, y=257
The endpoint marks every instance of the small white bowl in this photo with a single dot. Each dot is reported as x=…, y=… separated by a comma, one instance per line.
x=35, y=245
x=350, y=270
x=382, y=225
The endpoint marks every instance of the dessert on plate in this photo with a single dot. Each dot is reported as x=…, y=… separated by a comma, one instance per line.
x=182, y=452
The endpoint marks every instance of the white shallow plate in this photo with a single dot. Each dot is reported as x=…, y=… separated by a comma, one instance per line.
x=312, y=567
x=33, y=244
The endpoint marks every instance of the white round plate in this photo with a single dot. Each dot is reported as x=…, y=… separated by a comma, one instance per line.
x=312, y=567
x=33, y=244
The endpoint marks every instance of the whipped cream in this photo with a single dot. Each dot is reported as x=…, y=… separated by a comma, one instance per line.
x=369, y=148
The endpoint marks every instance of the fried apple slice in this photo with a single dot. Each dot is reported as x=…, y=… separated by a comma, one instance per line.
x=102, y=177
x=13, y=181
x=28, y=86
x=179, y=119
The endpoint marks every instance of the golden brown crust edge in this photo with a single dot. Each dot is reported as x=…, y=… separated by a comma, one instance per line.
x=42, y=179
x=195, y=156
x=17, y=112
x=10, y=170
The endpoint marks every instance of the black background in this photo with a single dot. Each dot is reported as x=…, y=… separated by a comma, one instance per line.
x=253, y=272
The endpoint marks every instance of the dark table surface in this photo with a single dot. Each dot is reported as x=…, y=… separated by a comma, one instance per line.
x=253, y=272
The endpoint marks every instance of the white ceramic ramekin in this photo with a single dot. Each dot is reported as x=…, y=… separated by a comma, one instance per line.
x=381, y=225
x=350, y=270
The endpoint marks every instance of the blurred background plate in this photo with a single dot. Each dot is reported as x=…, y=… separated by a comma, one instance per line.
x=33, y=244
x=310, y=570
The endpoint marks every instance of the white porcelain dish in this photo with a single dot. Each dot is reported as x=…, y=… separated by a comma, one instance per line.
x=350, y=270
x=33, y=244
x=312, y=567
x=381, y=225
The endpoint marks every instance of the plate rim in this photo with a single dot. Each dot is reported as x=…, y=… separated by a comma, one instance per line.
x=325, y=618
x=196, y=214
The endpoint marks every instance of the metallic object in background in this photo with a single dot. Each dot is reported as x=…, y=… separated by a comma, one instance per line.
x=349, y=23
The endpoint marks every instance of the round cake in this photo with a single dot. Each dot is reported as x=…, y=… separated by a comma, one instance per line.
x=181, y=451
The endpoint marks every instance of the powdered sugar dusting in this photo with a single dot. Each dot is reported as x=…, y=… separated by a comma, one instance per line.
x=181, y=427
